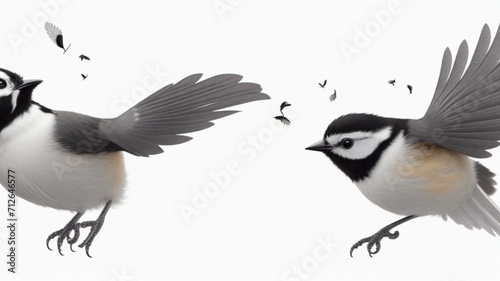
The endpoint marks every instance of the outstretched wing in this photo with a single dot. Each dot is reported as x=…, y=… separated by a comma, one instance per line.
x=176, y=109
x=464, y=114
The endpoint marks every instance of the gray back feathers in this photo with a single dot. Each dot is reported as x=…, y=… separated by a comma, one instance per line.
x=187, y=106
x=464, y=114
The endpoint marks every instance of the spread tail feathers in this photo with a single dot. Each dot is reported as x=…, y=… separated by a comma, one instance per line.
x=176, y=109
x=478, y=212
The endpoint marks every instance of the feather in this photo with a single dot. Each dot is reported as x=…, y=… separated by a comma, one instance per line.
x=333, y=96
x=283, y=105
x=283, y=120
x=83, y=57
x=410, y=88
x=55, y=34
x=464, y=114
x=478, y=212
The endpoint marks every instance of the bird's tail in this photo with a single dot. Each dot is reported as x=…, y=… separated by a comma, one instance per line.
x=176, y=109
x=478, y=212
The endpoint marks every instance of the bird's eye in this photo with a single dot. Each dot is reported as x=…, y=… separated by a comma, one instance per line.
x=347, y=143
x=3, y=84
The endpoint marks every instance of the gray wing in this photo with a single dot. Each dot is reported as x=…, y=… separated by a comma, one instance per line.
x=464, y=114
x=176, y=109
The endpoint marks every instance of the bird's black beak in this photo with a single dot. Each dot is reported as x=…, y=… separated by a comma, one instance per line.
x=320, y=146
x=28, y=83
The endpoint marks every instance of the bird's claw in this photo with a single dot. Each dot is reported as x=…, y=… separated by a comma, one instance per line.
x=75, y=237
x=74, y=225
x=95, y=227
x=64, y=233
x=375, y=240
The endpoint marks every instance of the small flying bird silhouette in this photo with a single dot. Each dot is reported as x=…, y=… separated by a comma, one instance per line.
x=55, y=35
x=334, y=95
x=410, y=87
x=84, y=76
x=322, y=85
x=392, y=82
x=83, y=57
x=283, y=120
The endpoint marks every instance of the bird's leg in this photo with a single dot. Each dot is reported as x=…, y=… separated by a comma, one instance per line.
x=375, y=239
x=64, y=233
x=95, y=227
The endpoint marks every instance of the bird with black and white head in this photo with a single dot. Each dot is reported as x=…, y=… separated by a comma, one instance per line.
x=36, y=142
x=12, y=104
x=420, y=167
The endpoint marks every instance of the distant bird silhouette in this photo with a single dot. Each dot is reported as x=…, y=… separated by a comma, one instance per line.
x=84, y=76
x=55, y=35
x=83, y=57
x=282, y=118
x=334, y=95
x=392, y=82
x=322, y=85
x=410, y=87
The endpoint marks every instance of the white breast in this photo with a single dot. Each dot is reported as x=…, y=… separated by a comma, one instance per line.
x=49, y=176
x=419, y=179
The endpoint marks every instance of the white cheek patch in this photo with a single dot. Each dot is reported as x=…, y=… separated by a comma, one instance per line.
x=365, y=143
x=7, y=91
x=15, y=94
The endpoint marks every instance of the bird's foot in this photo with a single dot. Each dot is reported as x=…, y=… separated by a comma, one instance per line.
x=375, y=240
x=64, y=233
x=95, y=227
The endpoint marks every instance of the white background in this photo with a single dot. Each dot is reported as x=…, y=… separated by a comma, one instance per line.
x=270, y=216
